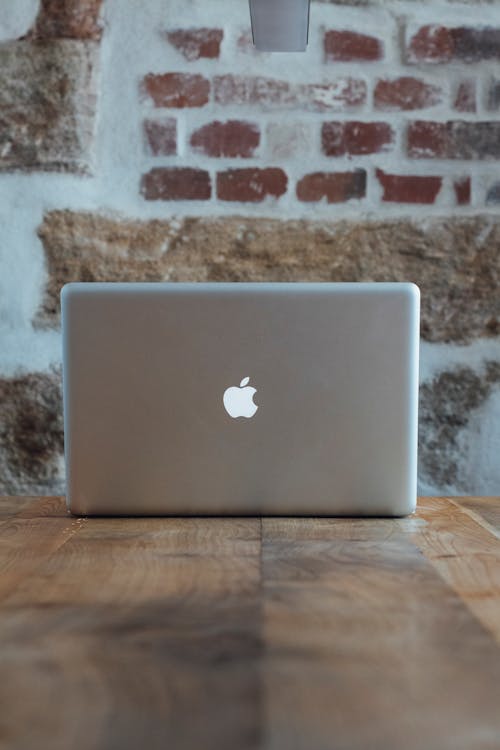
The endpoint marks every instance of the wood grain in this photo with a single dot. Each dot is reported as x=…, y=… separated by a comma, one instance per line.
x=12, y=506
x=28, y=537
x=342, y=634
x=133, y=629
x=384, y=648
x=465, y=552
x=485, y=509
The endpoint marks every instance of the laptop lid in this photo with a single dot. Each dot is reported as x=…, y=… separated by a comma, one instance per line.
x=244, y=398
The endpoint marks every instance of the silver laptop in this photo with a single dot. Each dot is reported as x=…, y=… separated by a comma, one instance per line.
x=286, y=398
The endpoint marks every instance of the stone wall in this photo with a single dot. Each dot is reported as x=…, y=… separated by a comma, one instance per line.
x=149, y=141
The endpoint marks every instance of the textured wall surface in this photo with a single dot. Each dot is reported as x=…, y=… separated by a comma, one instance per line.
x=149, y=141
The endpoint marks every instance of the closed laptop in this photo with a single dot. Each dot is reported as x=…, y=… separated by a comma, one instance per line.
x=244, y=398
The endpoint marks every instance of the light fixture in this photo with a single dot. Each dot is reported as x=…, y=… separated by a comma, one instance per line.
x=280, y=25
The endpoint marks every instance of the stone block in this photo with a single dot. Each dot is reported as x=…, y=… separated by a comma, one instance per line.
x=31, y=434
x=454, y=261
x=68, y=19
x=448, y=404
x=48, y=94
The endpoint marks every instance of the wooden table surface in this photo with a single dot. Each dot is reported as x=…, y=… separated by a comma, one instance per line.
x=276, y=633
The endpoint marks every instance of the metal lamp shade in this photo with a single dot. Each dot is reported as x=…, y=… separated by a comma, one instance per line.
x=280, y=25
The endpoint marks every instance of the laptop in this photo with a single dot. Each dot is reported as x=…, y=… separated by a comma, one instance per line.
x=241, y=398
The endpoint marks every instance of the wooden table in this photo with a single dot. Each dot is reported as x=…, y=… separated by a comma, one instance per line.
x=275, y=633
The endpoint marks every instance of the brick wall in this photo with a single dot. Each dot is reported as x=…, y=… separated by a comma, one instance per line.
x=150, y=141
x=404, y=114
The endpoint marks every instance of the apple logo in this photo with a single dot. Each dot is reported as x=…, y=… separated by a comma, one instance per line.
x=238, y=401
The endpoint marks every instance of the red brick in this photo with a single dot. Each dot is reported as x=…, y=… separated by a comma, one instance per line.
x=269, y=93
x=196, y=43
x=161, y=137
x=456, y=139
x=441, y=44
x=235, y=90
x=462, y=188
x=232, y=138
x=405, y=93
x=177, y=90
x=348, y=46
x=345, y=93
x=176, y=184
x=356, y=138
x=409, y=188
x=465, y=97
x=251, y=185
x=427, y=139
x=336, y=187
x=71, y=19
x=430, y=44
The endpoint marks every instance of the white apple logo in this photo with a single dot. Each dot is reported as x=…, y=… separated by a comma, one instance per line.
x=238, y=401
